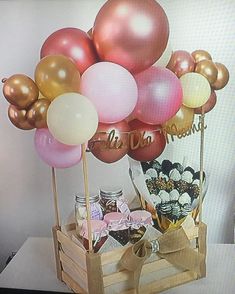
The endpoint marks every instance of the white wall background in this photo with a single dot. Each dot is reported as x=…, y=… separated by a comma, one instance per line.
x=26, y=207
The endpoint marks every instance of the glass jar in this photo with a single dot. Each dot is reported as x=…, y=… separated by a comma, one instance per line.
x=139, y=220
x=99, y=234
x=118, y=226
x=81, y=212
x=112, y=200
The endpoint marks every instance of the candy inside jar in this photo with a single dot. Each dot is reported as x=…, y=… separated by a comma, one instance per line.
x=81, y=211
x=118, y=226
x=139, y=221
x=112, y=200
x=99, y=234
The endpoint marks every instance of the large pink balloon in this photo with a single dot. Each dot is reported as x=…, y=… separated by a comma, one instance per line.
x=54, y=153
x=160, y=95
x=132, y=33
x=73, y=43
x=112, y=89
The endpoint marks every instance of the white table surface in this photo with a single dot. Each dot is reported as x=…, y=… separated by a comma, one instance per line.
x=33, y=267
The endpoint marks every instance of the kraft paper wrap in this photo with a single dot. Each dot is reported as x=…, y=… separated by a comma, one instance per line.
x=174, y=246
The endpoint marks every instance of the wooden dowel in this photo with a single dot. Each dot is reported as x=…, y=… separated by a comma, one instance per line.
x=86, y=189
x=202, y=117
x=55, y=197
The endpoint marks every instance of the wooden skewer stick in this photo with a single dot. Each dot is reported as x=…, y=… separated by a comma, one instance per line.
x=202, y=117
x=55, y=197
x=86, y=188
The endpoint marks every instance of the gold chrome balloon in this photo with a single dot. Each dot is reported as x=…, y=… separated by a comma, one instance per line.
x=37, y=114
x=56, y=75
x=181, y=122
x=18, y=118
x=208, y=69
x=222, y=78
x=20, y=91
x=200, y=55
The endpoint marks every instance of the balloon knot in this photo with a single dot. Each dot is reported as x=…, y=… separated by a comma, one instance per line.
x=4, y=80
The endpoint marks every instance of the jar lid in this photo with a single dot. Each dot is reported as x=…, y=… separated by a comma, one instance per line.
x=80, y=198
x=110, y=192
x=116, y=221
x=98, y=229
x=141, y=216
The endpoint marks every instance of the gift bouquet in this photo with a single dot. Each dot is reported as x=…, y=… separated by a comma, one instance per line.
x=170, y=190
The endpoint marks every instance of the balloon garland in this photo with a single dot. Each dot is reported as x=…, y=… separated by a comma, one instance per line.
x=118, y=88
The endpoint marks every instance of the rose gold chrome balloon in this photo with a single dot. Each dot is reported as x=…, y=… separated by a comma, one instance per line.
x=181, y=62
x=18, y=118
x=73, y=43
x=20, y=91
x=222, y=78
x=37, y=114
x=131, y=33
x=110, y=143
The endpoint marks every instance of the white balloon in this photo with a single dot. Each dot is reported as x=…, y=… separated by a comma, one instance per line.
x=165, y=57
x=72, y=119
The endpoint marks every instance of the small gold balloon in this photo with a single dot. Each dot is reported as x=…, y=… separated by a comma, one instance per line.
x=208, y=69
x=37, y=114
x=18, y=118
x=222, y=78
x=56, y=75
x=20, y=91
x=181, y=122
x=200, y=55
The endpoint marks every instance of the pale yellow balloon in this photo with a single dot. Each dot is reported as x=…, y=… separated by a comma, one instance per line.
x=72, y=119
x=181, y=122
x=165, y=57
x=196, y=89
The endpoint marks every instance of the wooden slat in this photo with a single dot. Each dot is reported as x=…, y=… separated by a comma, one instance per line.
x=72, y=284
x=72, y=250
x=56, y=251
x=166, y=283
x=202, y=247
x=125, y=274
x=75, y=267
x=112, y=256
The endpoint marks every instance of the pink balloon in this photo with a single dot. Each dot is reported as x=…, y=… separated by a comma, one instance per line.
x=112, y=89
x=54, y=153
x=73, y=43
x=160, y=95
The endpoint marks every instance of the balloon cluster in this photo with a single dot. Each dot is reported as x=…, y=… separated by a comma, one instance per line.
x=199, y=77
x=26, y=111
x=110, y=87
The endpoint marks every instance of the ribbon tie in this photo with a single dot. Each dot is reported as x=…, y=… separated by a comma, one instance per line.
x=174, y=246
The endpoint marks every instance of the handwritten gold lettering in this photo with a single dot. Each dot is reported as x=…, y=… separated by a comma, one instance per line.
x=138, y=139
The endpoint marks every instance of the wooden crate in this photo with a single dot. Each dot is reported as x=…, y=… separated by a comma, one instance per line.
x=157, y=274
